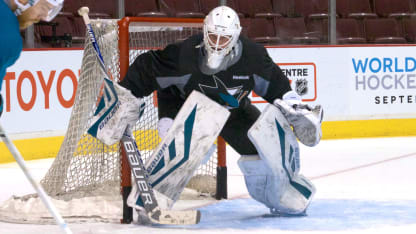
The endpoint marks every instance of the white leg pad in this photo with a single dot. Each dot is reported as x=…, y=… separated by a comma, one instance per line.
x=274, y=175
x=275, y=191
x=188, y=140
x=260, y=181
x=166, y=123
x=297, y=197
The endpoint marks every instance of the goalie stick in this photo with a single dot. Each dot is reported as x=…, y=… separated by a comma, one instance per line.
x=150, y=204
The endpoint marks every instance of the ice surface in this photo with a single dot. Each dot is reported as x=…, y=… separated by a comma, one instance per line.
x=363, y=186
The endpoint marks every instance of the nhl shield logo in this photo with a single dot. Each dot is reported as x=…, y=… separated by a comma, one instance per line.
x=301, y=86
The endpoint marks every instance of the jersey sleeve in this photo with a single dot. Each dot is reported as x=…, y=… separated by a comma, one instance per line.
x=270, y=82
x=142, y=73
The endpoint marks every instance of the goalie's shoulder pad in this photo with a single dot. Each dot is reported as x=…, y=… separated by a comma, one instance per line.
x=117, y=109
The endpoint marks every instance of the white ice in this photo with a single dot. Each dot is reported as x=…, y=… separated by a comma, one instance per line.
x=363, y=186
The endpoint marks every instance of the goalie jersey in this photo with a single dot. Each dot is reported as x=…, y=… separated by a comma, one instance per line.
x=177, y=69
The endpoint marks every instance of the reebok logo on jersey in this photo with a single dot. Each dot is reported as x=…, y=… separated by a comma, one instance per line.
x=241, y=77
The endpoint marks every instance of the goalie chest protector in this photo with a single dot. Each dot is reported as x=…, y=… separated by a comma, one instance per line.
x=176, y=68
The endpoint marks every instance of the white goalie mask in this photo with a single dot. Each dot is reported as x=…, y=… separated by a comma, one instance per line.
x=56, y=7
x=221, y=31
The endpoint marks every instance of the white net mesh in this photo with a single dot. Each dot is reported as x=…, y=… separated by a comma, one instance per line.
x=83, y=163
x=85, y=170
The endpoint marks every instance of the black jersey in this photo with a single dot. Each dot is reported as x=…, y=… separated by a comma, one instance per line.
x=176, y=68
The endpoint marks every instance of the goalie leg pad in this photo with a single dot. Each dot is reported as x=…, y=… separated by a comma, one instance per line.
x=165, y=124
x=260, y=180
x=280, y=187
x=279, y=193
x=188, y=140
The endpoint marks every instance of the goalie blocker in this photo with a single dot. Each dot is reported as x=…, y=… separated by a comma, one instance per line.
x=117, y=110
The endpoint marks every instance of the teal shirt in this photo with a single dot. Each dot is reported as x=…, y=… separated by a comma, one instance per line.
x=11, y=43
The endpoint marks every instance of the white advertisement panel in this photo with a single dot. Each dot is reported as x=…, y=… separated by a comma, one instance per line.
x=357, y=83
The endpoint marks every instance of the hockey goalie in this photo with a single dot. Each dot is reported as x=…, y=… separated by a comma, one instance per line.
x=203, y=84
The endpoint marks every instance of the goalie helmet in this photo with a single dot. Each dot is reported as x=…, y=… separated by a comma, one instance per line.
x=56, y=7
x=221, y=31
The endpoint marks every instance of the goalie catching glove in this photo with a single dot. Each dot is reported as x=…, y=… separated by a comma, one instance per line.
x=305, y=120
x=117, y=110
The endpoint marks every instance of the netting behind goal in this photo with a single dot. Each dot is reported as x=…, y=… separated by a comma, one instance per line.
x=86, y=170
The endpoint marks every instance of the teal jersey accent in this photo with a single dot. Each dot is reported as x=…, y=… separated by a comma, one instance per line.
x=11, y=43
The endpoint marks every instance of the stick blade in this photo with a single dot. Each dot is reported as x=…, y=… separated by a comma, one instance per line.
x=177, y=217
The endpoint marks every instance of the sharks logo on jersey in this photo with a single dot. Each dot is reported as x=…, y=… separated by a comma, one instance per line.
x=231, y=96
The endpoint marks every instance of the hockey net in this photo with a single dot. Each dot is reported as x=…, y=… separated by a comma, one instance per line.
x=88, y=179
